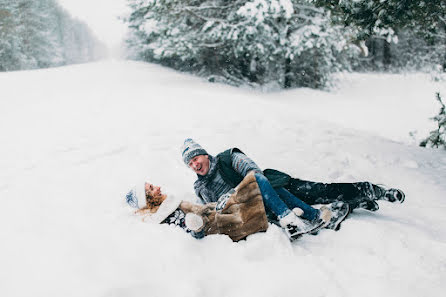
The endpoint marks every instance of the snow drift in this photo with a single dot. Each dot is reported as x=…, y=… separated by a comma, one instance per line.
x=75, y=139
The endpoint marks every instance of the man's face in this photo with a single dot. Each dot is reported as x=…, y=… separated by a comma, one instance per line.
x=200, y=164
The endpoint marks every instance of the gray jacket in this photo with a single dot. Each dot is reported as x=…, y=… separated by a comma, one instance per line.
x=210, y=187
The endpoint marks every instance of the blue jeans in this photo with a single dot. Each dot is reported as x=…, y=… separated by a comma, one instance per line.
x=280, y=202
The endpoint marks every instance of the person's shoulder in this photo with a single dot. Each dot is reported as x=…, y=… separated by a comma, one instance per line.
x=229, y=153
x=238, y=154
x=223, y=153
x=236, y=150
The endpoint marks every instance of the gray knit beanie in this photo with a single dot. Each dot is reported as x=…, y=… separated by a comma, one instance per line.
x=190, y=150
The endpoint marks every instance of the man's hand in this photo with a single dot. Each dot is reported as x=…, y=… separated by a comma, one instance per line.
x=201, y=210
x=244, y=212
x=221, y=203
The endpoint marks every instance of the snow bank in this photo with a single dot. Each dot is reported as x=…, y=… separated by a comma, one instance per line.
x=75, y=139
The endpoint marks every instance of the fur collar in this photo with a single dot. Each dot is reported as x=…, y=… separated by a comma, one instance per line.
x=169, y=205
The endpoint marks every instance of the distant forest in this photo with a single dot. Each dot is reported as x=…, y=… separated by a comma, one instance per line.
x=288, y=43
x=39, y=34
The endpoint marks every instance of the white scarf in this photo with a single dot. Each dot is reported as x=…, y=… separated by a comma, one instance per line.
x=169, y=205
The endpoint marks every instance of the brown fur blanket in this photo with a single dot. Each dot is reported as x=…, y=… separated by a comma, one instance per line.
x=244, y=213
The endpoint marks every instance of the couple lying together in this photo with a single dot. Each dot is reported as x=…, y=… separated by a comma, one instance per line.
x=237, y=198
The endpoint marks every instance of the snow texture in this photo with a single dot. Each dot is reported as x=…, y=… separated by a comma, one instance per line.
x=257, y=9
x=75, y=139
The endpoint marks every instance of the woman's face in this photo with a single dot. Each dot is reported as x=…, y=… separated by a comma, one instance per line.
x=152, y=190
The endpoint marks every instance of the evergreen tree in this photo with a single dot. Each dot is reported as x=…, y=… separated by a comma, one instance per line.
x=437, y=137
x=36, y=34
x=10, y=43
x=288, y=43
x=283, y=42
x=381, y=24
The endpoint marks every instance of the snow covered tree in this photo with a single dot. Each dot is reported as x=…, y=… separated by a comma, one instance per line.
x=34, y=35
x=292, y=42
x=437, y=137
x=288, y=43
x=380, y=25
x=285, y=43
x=10, y=50
x=33, y=29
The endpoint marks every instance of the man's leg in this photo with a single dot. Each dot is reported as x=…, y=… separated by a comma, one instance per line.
x=292, y=202
x=321, y=193
x=357, y=195
x=280, y=201
x=293, y=225
x=271, y=200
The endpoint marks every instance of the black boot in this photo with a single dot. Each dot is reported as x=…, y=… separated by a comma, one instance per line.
x=394, y=195
x=370, y=205
x=391, y=195
x=339, y=211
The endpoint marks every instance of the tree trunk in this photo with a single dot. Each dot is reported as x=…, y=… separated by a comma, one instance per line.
x=444, y=57
x=287, y=80
x=386, y=55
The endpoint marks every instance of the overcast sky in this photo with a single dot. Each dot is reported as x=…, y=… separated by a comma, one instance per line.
x=100, y=16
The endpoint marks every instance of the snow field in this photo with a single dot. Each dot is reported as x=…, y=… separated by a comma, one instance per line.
x=75, y=139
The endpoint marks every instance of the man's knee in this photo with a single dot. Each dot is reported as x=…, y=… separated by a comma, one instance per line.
x=260, y=178
x=264, y=185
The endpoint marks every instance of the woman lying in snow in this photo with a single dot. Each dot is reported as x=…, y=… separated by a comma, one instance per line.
x=238, y=215
x=242, y=214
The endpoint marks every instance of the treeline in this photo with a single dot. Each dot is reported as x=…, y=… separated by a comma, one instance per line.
x=39, y=34
x=399, y=34
x=288, y=43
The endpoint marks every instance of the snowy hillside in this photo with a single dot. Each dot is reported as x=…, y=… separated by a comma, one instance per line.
x=75, y=139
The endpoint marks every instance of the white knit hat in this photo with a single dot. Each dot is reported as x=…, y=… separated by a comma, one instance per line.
x=191, y=149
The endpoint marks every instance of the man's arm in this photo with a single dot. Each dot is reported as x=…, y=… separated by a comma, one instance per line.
x=199, y=195
x=243, y=165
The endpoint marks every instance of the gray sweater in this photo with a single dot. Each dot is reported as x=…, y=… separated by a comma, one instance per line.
x=212, y=185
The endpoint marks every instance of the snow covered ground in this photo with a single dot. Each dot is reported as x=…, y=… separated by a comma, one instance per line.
x=75, y=139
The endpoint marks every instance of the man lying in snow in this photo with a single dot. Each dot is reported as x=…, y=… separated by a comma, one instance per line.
x=217, y=177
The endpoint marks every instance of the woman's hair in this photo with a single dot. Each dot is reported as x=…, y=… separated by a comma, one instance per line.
x=154, y=202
